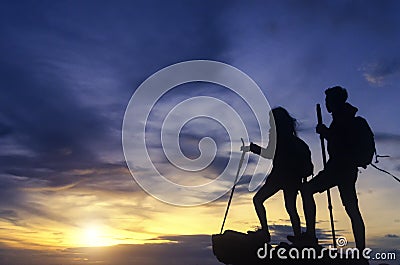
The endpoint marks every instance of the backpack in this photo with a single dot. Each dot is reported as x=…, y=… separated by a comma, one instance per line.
x=363, y=142
x=305, y=167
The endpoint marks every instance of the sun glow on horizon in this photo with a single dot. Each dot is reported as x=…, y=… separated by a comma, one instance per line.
x=94, y=236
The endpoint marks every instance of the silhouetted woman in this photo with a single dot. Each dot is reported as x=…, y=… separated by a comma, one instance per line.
x=291, y=163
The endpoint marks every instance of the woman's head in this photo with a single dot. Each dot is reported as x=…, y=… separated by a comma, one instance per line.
x=282, y=121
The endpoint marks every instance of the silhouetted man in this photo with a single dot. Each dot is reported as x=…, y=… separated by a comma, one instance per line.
x=341, y=169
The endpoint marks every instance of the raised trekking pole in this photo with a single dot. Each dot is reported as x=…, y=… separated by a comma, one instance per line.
x=234, y=185
x=328, y=192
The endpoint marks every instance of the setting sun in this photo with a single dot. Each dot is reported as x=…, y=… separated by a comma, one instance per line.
x=94, y=237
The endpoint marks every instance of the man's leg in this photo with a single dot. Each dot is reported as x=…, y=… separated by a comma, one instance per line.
x=350, y=201
x=321, y=182
x=358, y=226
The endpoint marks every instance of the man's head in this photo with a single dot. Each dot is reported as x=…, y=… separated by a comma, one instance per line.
x=335, y=98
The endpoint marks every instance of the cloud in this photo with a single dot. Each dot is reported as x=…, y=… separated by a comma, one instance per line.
x=378, y=73
x=180, y=250
x=384, y=243
x=174, y=250
x=9, y=215
x=392, y=236
x=387, y=137
x=280, y=233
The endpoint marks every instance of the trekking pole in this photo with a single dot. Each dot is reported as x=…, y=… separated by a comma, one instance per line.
x=234, y=185
x=328, y=192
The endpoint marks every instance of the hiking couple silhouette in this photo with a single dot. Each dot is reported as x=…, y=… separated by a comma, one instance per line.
x=292, y=165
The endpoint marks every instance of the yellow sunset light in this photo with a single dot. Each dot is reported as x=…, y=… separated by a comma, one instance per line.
x=94, y=237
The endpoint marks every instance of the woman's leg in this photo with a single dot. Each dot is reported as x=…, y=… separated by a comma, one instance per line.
x=290, y=204
x=263, y=194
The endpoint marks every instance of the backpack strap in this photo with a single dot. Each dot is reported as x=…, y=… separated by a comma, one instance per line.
x=387, y=172
x=380, y=169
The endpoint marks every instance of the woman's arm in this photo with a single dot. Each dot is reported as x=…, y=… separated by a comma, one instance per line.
x=264, y=152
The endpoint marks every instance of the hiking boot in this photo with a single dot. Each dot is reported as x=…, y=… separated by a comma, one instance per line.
x=303, y=240
x=294, y=239
x=261, y=234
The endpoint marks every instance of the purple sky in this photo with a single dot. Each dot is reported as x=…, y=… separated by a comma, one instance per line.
x=69, y=68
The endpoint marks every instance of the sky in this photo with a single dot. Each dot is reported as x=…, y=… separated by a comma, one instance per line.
x=68, y=70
